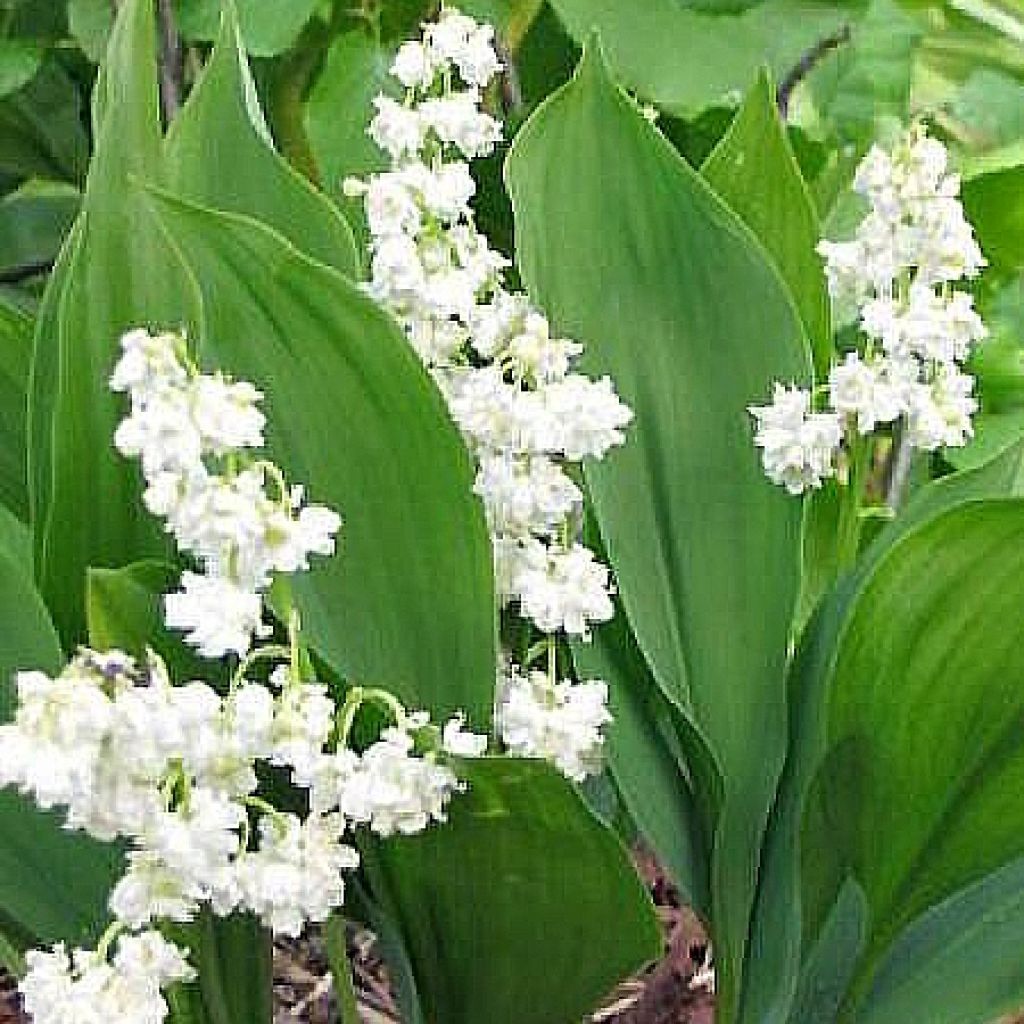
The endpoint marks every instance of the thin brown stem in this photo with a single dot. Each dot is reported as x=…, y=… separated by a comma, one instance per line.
x=172, y=62
x=807, y=63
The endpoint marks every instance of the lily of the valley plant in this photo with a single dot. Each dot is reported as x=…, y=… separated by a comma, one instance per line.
x=566, y=617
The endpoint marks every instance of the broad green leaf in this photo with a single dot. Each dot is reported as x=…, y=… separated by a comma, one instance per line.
x=686, y=60
x=753, y=169
x=268, y=28
x=34, y=221
x=19, y=62
x=924, y=721
x=822, y=517
x=29, y=640
x=775, y=952
x=90, y=22
x=15, y=353
x=338, y=111
x=116, y=272
x=993, y=432
x=123, y=605
x=41, y=131
x=392, y=949
x=720, y=6
x=408, y=602
x=16, y=540
x=992, y=190
x=521, y=908
x=701, y=543
x=955, y=964
x=1002, y=476
x=53, y=883
x=219, y=153
x=233, y=957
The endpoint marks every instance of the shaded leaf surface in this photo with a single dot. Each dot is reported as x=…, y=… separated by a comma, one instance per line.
x=753, y=169
x=219, y=153
x=408, y=602
x=497, y=906
x=700, y=542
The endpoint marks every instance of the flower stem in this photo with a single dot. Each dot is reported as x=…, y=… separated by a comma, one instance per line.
x=850, y=519
x=341, y=969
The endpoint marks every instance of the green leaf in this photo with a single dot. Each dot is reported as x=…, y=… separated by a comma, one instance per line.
x=339, y=108
x=125, y=610
x=830, y=962
x=15, y=352
x=1002, y=476
x=90, y=22
x=41, y=130
x=16, y=540
x=219, y=153
x=123, y=605
x=53, y=883
x=645, y=758
x=924, y=720
x=952, y=963
x=393, y=951
x=34, y=221
x=521, y=908
x=511, y=18
x=775, y=954
x=233, y=957
x=701, y=543
x=864, y=85
x=408, y=603
x=989, y=109
x=19, y=62
x=753, y=169
x=115, y=273
x=992, y=195
x=268, y=28
x=686, y=60
x=993, y=432
x=822, y=536
x=42, y=20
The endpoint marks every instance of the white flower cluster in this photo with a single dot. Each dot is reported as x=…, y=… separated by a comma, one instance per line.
x=560, y=722
x=526, y=415
x=190, y=431
x=85, y=987
x=172, y=769
x=898, y=272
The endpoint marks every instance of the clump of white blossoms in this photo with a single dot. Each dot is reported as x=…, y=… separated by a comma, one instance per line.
x=237, y=515
x=172, y=769
x=527, y=416
x=898, y=275
x=84, y=986
x=560, y=721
